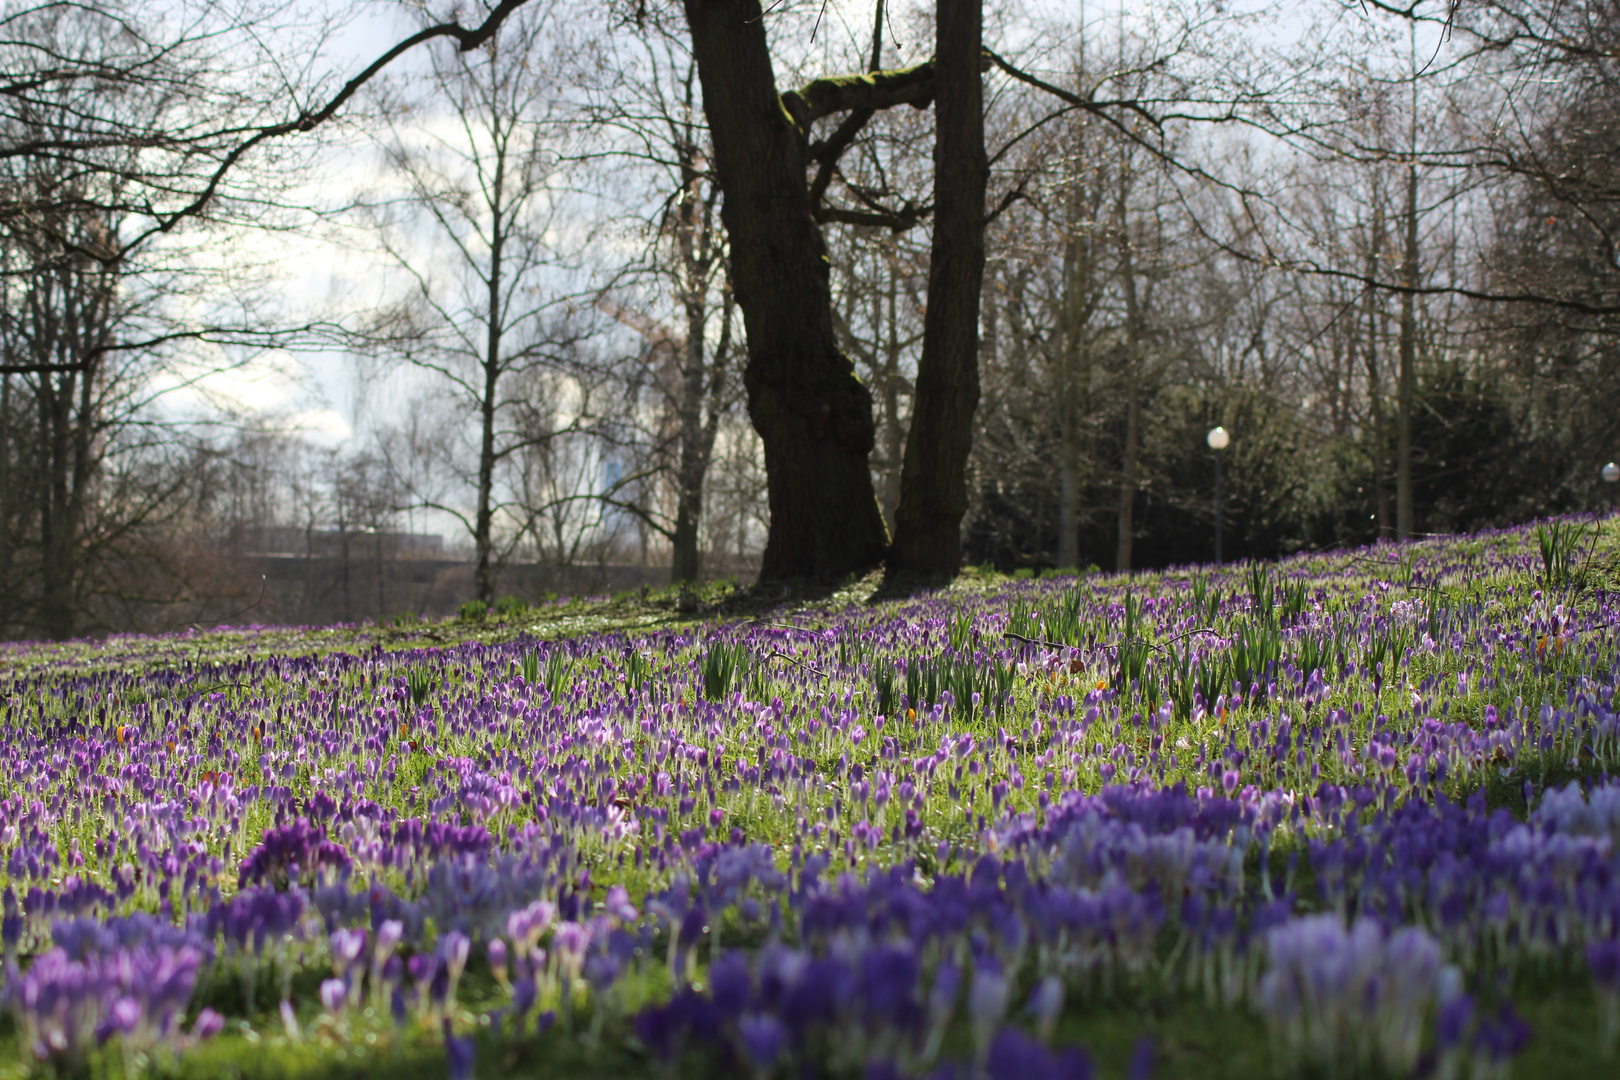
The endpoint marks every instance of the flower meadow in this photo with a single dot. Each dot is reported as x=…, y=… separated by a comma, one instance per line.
x=1347, y=815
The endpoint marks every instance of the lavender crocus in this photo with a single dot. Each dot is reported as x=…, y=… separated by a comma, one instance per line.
x=1335, y=996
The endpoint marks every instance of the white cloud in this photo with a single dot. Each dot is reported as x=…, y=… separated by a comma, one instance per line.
x=261, y=384
x=323, y=427
x=271, y=387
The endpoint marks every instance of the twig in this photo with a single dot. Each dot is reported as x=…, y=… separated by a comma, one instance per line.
x=222, y=686
x=1586, y=566
x=801, y=663
x=1187, y=634
x=1038, y=641
x=784, y=625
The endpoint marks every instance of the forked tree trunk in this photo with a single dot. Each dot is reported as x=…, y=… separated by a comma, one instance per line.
x=933, y=485
x=813, y=415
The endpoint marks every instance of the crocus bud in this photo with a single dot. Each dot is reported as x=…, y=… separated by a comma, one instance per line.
x=454, y=948
x=208, y=1024
x=1046, y=1005
x=388, y=936
x=987, y=1002
x=334, y=992
x=497, y=962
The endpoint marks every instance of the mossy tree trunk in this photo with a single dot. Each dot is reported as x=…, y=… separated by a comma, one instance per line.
x=813, y=415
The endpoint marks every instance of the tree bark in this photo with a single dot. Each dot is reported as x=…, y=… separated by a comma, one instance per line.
x=1405, y=526
x=8, y=502
x=1375, y=389
x=483, y=519
x=1073, y=374
x=894, y=434
x=69, y=307
x=1133, y=408
x=702, y=378
x=1126, y=516
x=56, y=532
x=686, y=563
x=702, y=382
x=813, y=415
x=933, y=485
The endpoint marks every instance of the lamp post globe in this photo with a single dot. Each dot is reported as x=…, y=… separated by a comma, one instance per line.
x=1611, y=473
x=1218, y=439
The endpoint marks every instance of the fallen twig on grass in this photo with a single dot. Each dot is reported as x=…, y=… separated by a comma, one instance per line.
x=801, y=663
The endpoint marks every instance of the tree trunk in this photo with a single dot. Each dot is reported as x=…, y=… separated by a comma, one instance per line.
x=483, y=515
x=813, y=415
x=702, y=375
x=484, y=512
x=933, y=485
x=1073, y=378
x=1068, y=551
x=56, y=602
x=1405, y=526
x=686, y=561
x=894, y=434
x=70, y=308
x=697, y=444
x=1133, y=408
x=1375, y=389
x=1127, y=480
x=483, y=520
x=7, y=501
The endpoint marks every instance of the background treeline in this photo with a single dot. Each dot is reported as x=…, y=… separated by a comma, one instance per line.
x=1384, y=261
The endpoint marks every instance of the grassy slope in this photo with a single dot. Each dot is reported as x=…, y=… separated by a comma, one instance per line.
x=1192, y=1039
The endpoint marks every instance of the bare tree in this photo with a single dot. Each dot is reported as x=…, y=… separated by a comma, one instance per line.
x=118, y=129
x=474, y=239
x=675, y=296
x=219, y=95
x=81, y=335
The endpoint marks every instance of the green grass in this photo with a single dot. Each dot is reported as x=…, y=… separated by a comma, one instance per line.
x=1192, y=1038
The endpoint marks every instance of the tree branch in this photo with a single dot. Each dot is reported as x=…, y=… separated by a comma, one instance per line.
x=466, y=39
x=895, y=221
x=829, y=150
x=912, y=86
x=1086, y=102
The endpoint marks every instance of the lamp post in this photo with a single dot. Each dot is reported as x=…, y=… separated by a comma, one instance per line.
x=1611, y=473
x=1218, y=440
